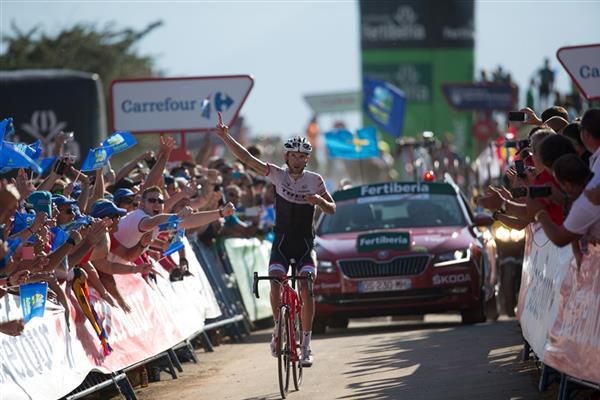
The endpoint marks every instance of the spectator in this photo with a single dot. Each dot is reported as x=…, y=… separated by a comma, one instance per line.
x=590, y=136
x=573, y=131
x=546, y=82
x=584, y=217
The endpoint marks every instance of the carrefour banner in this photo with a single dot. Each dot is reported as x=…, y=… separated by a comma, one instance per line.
x=418, y=46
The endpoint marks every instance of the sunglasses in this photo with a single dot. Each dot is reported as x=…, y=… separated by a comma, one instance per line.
x=155, y=200
x=233, y=194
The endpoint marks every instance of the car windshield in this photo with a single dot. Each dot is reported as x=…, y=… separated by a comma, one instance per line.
x=390, y=212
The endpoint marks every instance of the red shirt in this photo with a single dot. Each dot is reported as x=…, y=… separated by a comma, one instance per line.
x=554, y=210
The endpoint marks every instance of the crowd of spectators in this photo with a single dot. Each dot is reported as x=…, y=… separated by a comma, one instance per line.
x=71, y=229
x=554, y=179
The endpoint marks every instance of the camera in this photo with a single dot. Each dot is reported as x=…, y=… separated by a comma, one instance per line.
x=520, y=167
x=517, y=116
x=521, y=144
x=539, y=191
x=518, y=192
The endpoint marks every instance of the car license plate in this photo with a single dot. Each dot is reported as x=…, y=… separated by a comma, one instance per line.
x=387, y=285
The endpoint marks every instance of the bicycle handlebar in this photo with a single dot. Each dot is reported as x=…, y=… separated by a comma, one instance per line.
x=309, y=278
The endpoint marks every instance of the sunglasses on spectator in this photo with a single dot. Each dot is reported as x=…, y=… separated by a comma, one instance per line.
x=155, y=200
x=232, y=194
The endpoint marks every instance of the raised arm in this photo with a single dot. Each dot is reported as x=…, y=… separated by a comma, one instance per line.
x=239, y=151
x=167, y=144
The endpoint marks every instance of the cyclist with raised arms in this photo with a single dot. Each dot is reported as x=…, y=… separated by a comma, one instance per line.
x=297, y=193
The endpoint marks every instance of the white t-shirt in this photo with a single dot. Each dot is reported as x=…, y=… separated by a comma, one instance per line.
x=129, y=233
x=584, y=217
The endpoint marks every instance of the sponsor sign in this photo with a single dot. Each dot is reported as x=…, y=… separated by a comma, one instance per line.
x=479, y=97
x=47, y=361
x=451, y=279
x=394, y=188
x=385, y=240
x=413, y=78
x=394, y=24
x=559, y=306
x=334, y=102
x=583, y=65
x=177, y=104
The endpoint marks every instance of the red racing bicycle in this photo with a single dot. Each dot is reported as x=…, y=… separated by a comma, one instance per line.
x=289, y=327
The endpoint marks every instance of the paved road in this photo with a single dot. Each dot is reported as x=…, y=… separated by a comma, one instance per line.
x=435, y=359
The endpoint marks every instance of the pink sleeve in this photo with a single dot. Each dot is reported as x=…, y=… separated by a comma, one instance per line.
x=274, y=173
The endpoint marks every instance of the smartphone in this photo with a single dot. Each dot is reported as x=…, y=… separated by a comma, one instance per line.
x=517, y=116
x=150, y=162
x=518, y=192
x=523, y=143
x=520, y=167
x=60, y=167
x=539, y=191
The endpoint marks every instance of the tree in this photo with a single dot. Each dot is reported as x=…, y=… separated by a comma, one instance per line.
x=84, y=47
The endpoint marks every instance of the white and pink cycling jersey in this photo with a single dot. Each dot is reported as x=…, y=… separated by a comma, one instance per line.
x=293, y=214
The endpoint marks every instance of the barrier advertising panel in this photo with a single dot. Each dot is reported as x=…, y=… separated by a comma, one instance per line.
x=559, y=306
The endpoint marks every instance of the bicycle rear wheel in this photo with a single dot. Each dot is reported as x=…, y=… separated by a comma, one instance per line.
x=283, y=351
x=297, y=365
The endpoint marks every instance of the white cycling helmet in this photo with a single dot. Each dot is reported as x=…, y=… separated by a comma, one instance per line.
x=297, y=143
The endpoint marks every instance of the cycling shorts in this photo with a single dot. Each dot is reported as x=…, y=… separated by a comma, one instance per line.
x=285, y=248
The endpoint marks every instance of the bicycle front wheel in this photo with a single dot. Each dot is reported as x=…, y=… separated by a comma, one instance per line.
x=297, y=365
x=283, y=351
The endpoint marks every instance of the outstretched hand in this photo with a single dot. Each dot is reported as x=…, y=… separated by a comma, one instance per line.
x=228, y=209
x=167, y=144
x=222, y=129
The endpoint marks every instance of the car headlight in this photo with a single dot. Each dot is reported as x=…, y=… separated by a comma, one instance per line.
x=325, y=266
x=452, y=257
x=505, y=234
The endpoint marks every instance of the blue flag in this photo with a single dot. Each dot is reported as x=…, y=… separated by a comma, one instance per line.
x=343, y=144
x=120, y=141
x=22, y=221
x=97, y=158
x=46, y=163
x=33, y=300
x=7, y=128
x=176, y=244
x=60, y=237
x=170, y=225
x=12, y=247
x=14, y=155
x=384, y=104
x=34, y=151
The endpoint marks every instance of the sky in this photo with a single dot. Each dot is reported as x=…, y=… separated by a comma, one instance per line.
x=294, y=48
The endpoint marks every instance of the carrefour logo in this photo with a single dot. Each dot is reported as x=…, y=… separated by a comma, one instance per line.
x=168, y=104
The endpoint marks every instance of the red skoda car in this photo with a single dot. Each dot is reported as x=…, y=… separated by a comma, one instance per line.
x=402, y=248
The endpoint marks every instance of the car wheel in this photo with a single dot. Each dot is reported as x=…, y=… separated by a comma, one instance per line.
x=338, y=323
x=319, y=326
x=476, y=314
